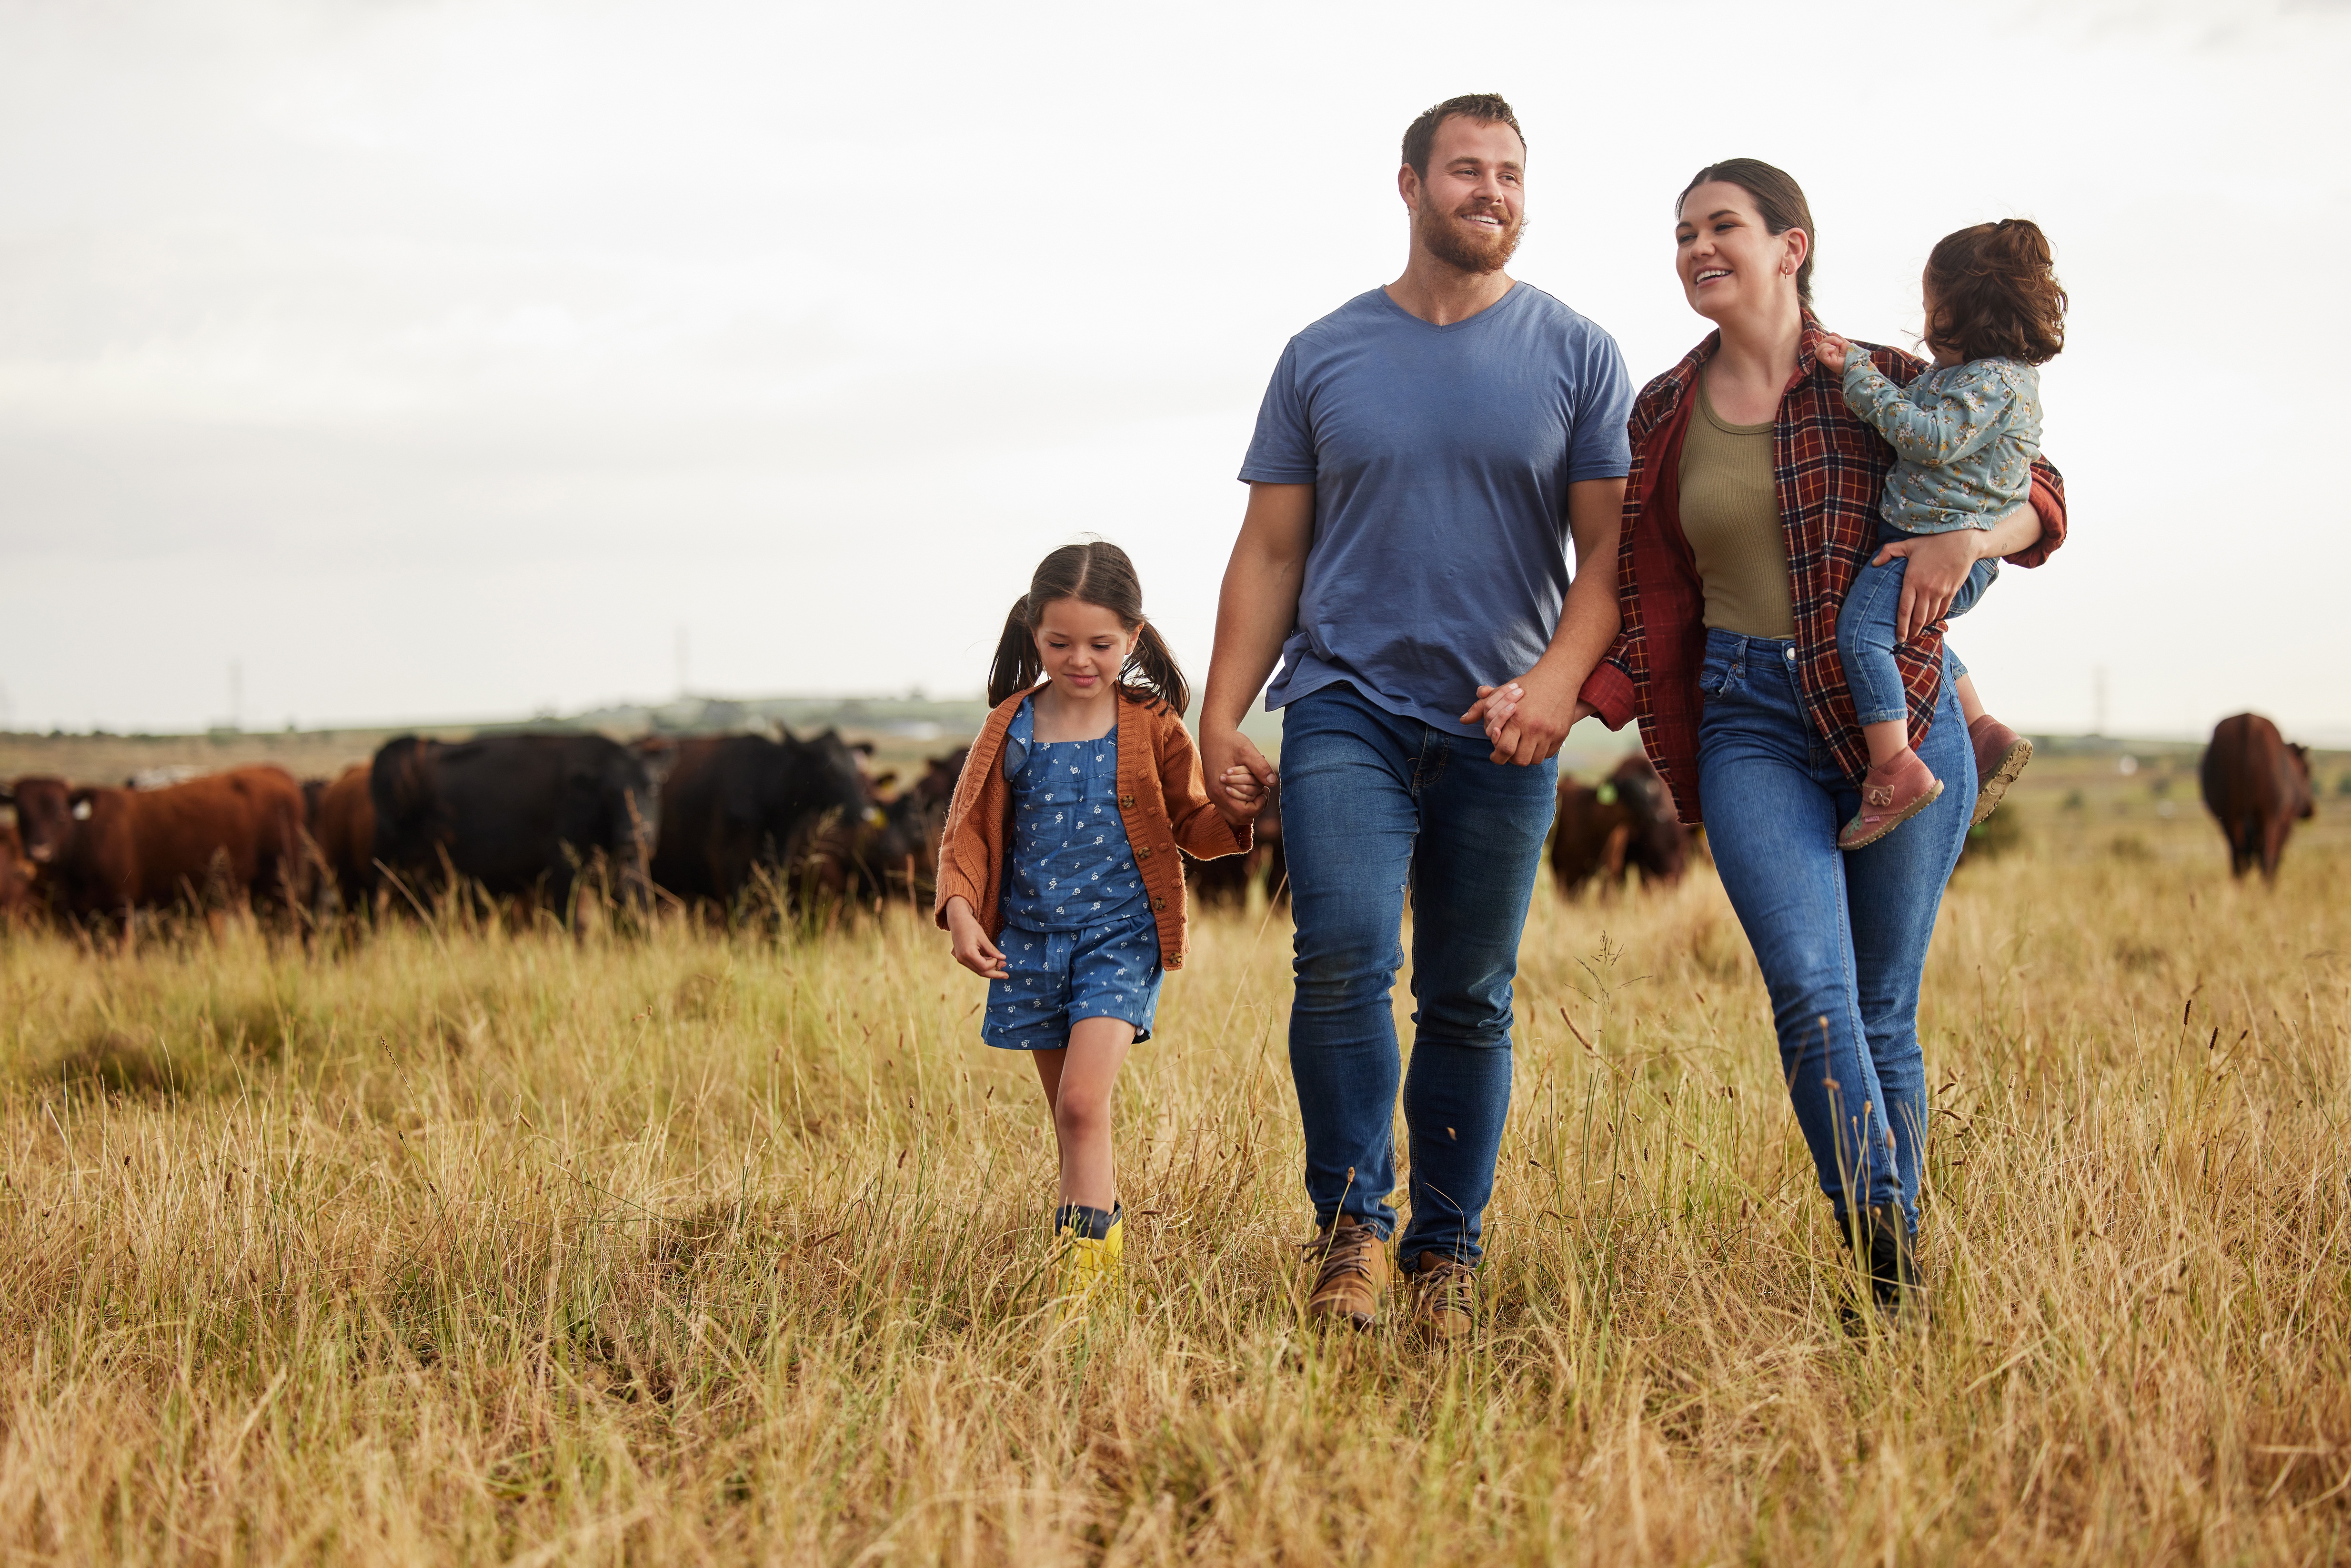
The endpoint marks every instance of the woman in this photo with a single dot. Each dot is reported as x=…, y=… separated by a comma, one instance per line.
x=1752, y=501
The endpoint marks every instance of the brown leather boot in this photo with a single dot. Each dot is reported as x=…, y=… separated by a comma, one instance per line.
x=1443, y=1298
x=1351, y=1274
x=1892, y=792
x=2001, y=755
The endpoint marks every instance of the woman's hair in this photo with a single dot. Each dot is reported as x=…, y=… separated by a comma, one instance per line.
x=1096, y=573
x=1994, y=294
x=1776, y=195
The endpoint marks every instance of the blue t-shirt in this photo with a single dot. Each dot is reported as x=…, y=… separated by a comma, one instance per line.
x=1441, y=458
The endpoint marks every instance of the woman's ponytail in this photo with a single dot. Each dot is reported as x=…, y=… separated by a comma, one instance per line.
x=1151, y=669
x=1017, y=667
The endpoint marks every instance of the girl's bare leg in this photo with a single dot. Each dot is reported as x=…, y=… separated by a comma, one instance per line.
x=1078, y=1080
x=1971, y=706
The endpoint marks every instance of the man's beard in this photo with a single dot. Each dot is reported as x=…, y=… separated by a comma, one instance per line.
x=1474, y=250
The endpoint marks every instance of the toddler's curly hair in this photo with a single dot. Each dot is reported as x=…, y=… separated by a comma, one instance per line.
x=1995, y=294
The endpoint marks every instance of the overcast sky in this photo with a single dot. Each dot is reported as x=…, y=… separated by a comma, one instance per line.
x=433, y=360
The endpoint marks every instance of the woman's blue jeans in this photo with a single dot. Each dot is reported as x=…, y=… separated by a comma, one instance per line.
x=1841, y=938
x=1374, y=806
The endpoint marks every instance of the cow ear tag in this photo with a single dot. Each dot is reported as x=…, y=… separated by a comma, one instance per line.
x=1608, y=795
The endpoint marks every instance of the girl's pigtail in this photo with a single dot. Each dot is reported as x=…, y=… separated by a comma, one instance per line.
x=1017, y=667
x=1152, y=667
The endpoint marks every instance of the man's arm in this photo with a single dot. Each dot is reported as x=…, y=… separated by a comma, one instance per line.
x=1255, y=609
x=1542, y=704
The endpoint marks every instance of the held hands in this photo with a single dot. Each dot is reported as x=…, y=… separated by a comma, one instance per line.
x=1527, y=719
x=1246, y=793
x=972, y=948
x=1939, y=562
x=1831, y=350
x=1237, y=775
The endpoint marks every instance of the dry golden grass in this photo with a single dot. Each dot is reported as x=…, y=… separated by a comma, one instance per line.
x=465, y=1245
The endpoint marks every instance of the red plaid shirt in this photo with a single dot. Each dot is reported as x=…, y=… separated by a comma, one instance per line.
x=1830, y=467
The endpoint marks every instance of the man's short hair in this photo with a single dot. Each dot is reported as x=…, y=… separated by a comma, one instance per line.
x=1485, y=107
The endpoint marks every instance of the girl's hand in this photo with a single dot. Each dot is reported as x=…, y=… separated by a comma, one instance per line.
x=1831, y=350
x=1939, y=562
x=1495, y=707
x=1242, y=797
x=972, y=948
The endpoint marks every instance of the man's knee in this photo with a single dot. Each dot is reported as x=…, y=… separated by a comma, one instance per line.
x=1344, y=965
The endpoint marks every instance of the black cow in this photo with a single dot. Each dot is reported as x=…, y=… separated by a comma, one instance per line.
x=736, y=804
x=1224, y=882
x=520, y=815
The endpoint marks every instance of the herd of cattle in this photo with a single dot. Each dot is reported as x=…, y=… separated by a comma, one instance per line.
x=713, y=821
x=515, y=816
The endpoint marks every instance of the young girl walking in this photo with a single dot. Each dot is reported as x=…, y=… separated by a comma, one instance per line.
x=1059, y=878
x=1967, y=430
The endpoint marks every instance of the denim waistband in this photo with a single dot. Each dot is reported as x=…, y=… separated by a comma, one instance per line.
x=1738, y=645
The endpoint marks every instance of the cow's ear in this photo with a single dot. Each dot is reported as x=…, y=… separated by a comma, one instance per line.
x=7, y=795
x=862, y=748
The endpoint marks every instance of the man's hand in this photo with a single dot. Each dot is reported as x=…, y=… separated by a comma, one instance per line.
x=1230, y=758
x=1939, y=562
x=1528, y=718
x=971, y=946
x=1831, y=350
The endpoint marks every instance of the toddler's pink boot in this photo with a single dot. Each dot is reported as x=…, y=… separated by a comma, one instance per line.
x=1892, y=792
x=2001, y=755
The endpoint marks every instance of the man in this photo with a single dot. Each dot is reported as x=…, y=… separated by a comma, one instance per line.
x=1421, y=456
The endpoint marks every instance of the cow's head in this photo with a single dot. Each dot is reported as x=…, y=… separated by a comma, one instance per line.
x=2299, y=756
x=49, y=813
x=837, y=776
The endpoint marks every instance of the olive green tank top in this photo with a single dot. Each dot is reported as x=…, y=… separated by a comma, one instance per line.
x=1731, y=516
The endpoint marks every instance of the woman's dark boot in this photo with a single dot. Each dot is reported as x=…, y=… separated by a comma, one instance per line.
x=1894, y=1282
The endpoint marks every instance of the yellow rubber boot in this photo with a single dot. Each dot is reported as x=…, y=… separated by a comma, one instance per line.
x=1085, y=1263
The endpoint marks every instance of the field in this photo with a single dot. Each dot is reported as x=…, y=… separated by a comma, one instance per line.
x=466, y=1243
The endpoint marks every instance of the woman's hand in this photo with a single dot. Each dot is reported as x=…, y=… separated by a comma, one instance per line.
x=972, y=948
x=1939, y=562
x=1831, y=350
x=1523, y=739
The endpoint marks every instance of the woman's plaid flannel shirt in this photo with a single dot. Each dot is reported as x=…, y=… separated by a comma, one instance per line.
x=1830, y=470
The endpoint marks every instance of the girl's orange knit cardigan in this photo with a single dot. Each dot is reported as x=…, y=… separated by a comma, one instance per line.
x=1162, y=801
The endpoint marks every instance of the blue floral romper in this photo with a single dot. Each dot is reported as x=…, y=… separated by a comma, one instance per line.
x=1080, y=940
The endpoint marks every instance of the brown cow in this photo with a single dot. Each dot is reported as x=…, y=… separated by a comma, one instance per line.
x=2255, y=784
x=235, y=836
x=1627, y=820
x=343, y=827
x=16, y=892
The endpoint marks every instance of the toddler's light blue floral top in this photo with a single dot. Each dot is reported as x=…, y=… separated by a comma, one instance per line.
x=1967, y=435
x=1071, y=865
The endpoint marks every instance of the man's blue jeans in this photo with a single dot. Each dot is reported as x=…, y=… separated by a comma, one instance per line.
x=1841, y=938
x=1374, y=806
